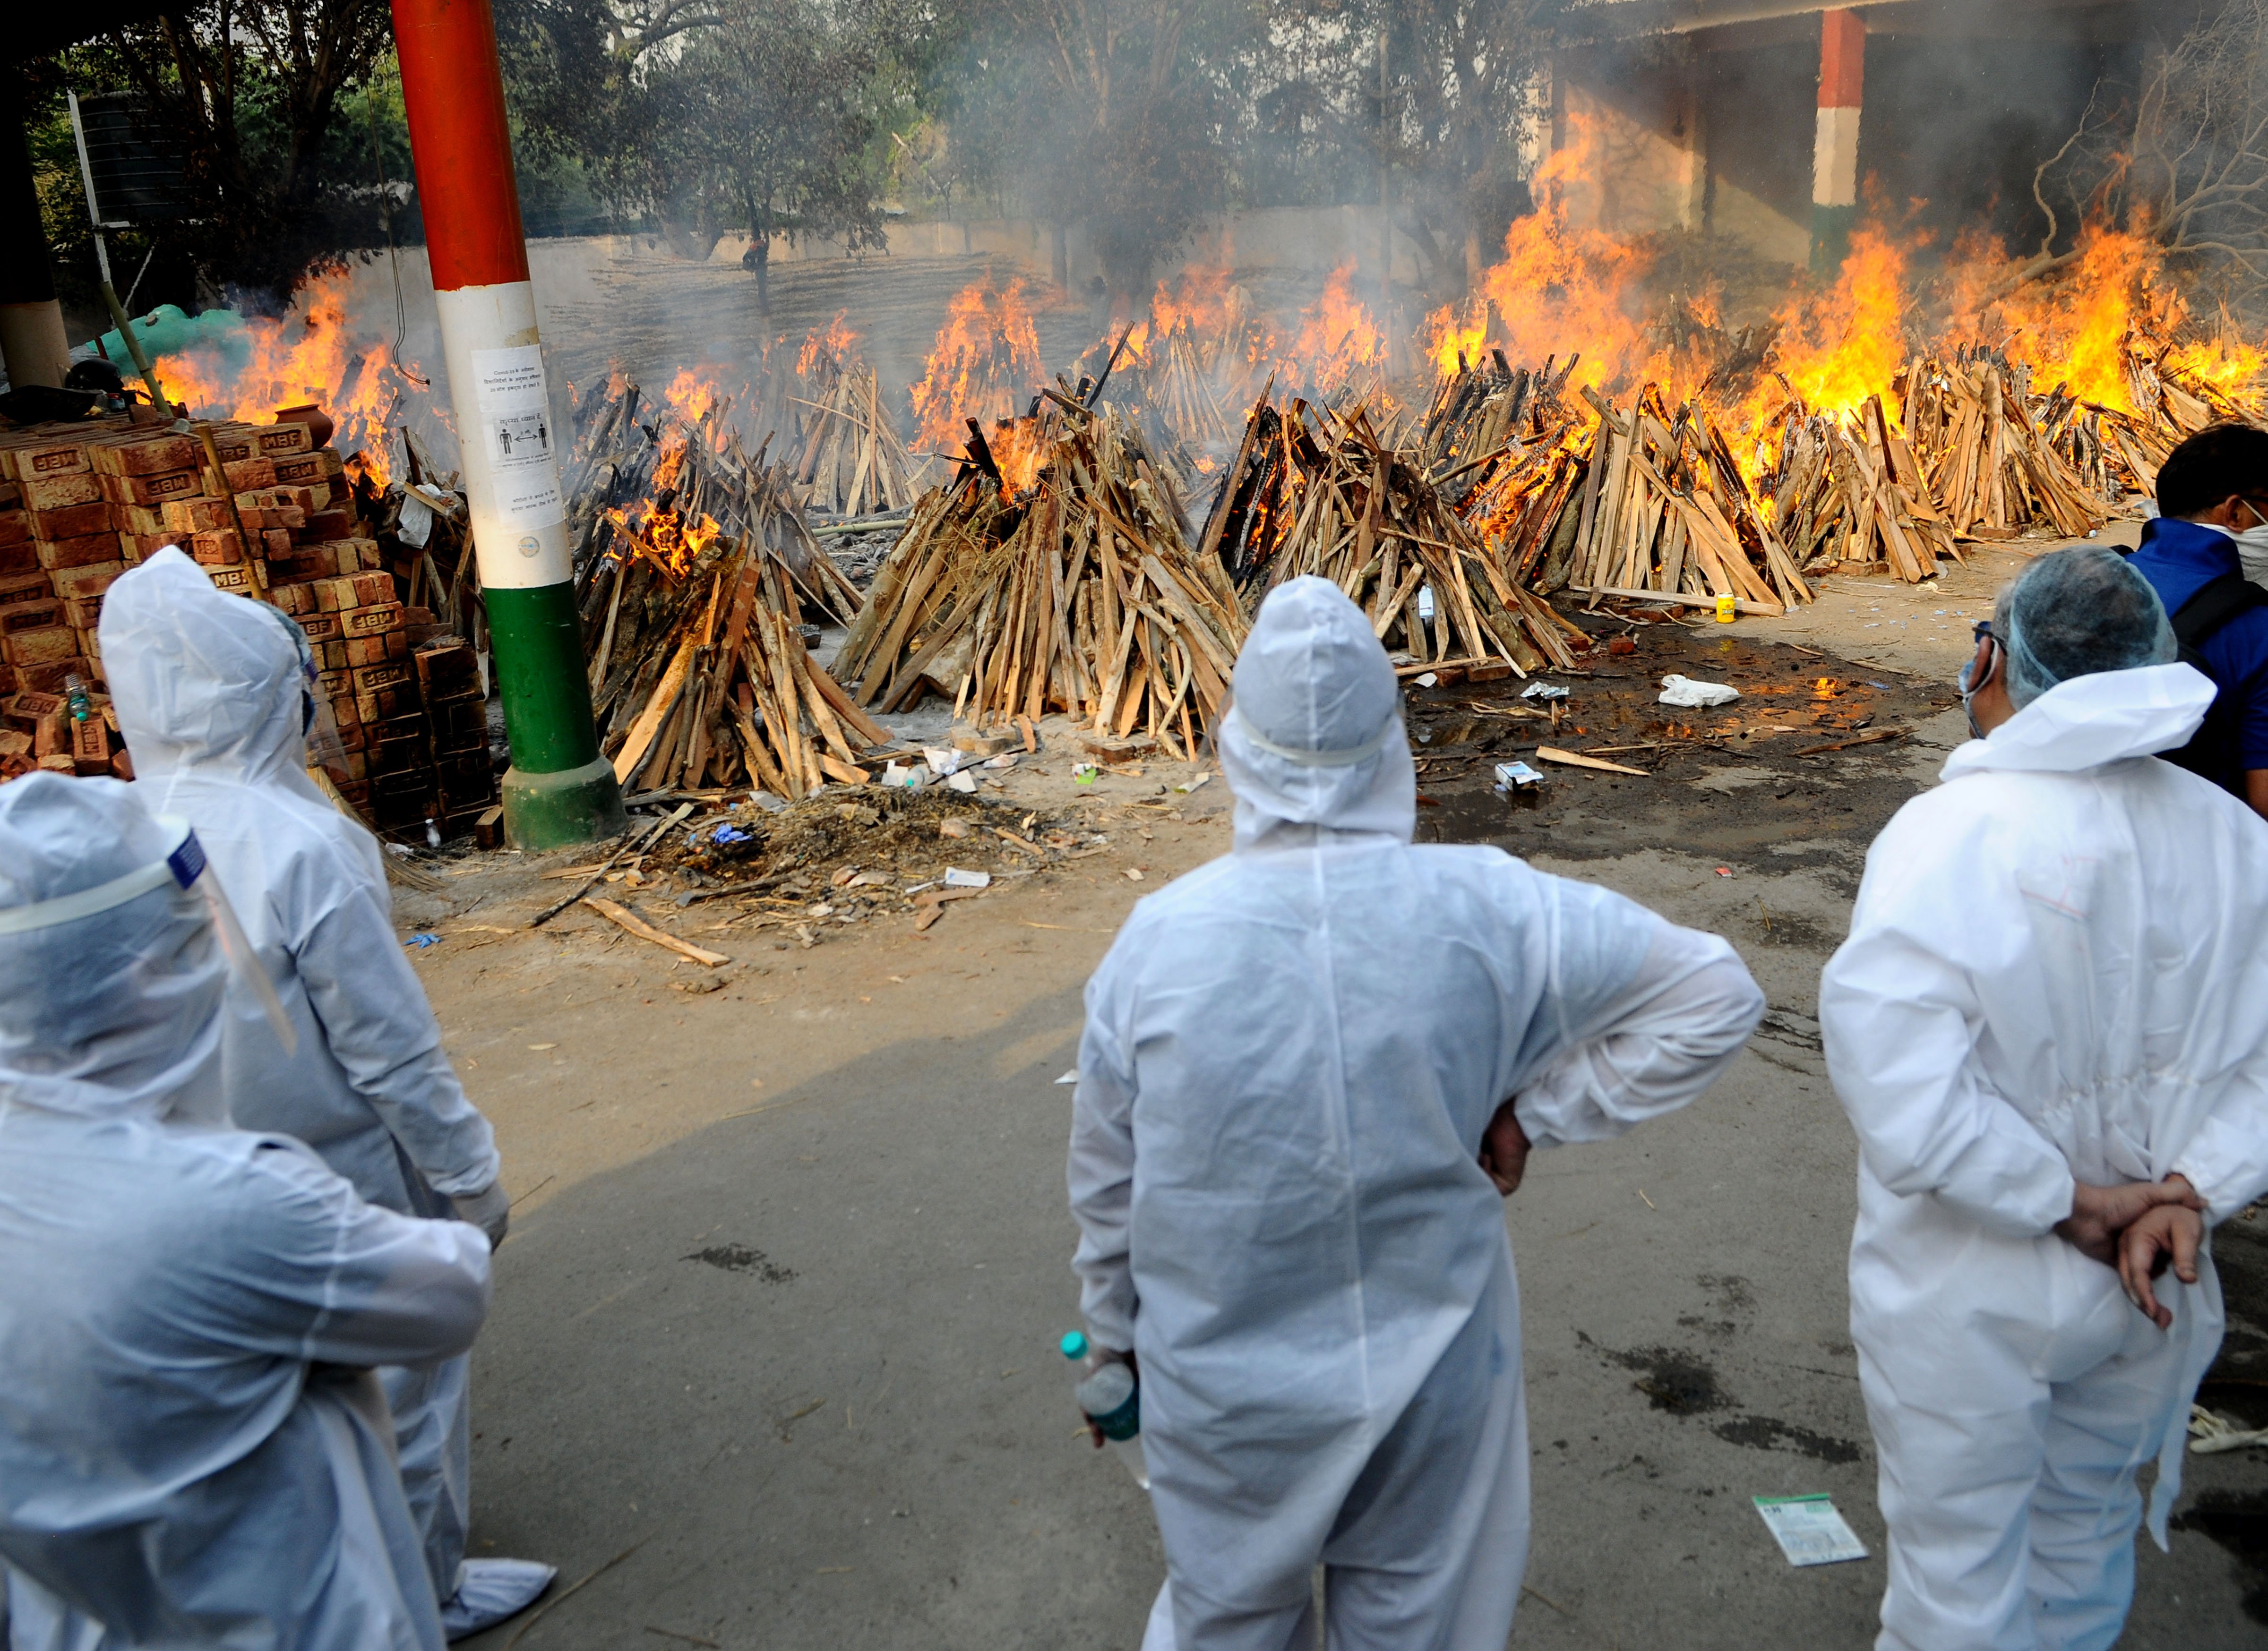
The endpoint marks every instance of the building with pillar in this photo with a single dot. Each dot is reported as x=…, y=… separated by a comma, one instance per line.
x=1765, y=120
x=34, y=350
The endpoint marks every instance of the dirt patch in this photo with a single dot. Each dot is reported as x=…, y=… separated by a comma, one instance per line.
x=2240, y=1524
x=740, y=1258
x=873, y=828
x=1769, y=1433
x=1745, y=784
x=1679, y=1383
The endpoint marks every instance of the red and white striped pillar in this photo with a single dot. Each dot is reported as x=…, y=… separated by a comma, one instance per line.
x=1835, y=153
x=559, y=789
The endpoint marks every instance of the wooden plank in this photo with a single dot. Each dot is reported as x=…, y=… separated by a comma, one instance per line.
x=662, y=702
x=627, y=919
x=1576, y=760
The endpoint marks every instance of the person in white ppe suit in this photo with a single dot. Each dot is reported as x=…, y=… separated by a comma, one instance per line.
x=193, y=1452
x=2050, y=1028
x=1309, y=1070
x=213, y=697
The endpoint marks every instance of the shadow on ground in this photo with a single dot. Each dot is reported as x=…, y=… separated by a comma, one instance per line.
x=818, y=1345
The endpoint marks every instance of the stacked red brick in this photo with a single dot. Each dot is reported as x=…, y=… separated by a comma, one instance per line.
x=381, y=691
x=80, y=503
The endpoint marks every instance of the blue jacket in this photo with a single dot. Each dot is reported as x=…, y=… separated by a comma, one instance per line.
x=2178, y=558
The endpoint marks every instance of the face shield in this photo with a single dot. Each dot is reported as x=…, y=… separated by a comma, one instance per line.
x=184, y=866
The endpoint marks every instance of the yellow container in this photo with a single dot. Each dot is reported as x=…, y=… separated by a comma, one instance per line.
x=1725, y=609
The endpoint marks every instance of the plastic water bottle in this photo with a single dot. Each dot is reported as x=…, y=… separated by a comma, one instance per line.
x=75, y=697
x=1112, y=1400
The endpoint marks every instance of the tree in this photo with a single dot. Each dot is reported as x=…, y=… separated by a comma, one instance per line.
x=796, y=125
x=2182, y=161
x=707, y=115
x=1124, y=110
x=252, y=91
x=1463, y=80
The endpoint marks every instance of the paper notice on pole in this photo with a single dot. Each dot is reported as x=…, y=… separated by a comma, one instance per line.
x=1809, y=1530
x=516, y=431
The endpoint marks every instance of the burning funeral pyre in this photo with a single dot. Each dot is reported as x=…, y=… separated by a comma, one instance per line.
x=1052, y=573
x=694, y=573
x=1313, y=491
x=847, y=458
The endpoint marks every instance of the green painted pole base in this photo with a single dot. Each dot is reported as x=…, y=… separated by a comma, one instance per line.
x=1830, y=237
x=559, y=790
x=559, y=810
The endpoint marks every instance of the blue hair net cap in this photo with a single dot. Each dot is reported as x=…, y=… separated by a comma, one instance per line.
x=2075, y=613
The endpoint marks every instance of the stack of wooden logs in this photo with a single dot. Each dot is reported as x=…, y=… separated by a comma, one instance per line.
x=849, y=458
x=1666, y=511
x=1509, y=453
x=722, y=691
x=1074, y=591
x=1849, y=493
x=2113, y=450
x=1990, y=465
x=1486, y=414
x=694, y=576
x=646, y=487
x=1181, y=389
x=1313, y=491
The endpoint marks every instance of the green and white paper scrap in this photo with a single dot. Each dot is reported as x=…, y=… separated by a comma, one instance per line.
x=1809, y=1530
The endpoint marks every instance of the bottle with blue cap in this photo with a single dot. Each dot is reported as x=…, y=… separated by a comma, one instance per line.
x=1111, y=1397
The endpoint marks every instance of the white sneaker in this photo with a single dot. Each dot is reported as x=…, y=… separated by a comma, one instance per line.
x=490, y=1590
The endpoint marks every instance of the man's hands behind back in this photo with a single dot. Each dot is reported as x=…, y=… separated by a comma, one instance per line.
x=1504, y=1151
x=2099, y=1215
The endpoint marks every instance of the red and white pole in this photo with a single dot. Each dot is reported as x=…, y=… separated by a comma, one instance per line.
x=559, y=790
x=1835, y=151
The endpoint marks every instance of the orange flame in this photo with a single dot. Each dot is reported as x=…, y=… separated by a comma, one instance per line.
x=1455, y=338
x=1337, y=337
x=660, y=534
x=310, y=354
x=694, y=393
x=1561, y=288
x=1198, y=300
x=1020, y=447
x=1839, y=349
x=987, y=355
x=833, y=349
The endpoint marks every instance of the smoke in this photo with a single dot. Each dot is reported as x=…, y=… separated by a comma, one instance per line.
x=1251, y=142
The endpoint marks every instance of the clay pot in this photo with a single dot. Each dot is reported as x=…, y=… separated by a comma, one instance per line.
x=318, y=421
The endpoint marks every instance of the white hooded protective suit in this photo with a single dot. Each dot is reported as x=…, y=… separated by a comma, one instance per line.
x=2054, y=973
x=177, y=1468
x=211, y=698
x=1290, y=1058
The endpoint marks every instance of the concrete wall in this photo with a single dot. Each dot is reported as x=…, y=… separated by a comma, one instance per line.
x=1635, y=134
x=1307, y=239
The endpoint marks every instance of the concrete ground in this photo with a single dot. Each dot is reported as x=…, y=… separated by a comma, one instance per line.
x=772, y=1358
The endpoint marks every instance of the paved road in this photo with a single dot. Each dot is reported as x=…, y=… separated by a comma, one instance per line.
x=777, y=1320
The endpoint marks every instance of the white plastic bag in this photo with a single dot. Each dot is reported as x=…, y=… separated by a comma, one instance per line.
x=1688, y=694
